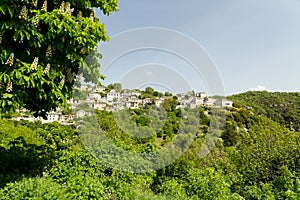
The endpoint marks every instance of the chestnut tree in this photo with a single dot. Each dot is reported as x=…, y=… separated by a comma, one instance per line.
x=43, y=45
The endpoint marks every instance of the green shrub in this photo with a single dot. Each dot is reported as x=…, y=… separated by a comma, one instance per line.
x=35, y=189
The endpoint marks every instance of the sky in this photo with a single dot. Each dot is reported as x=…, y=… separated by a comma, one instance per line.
x=253, y=45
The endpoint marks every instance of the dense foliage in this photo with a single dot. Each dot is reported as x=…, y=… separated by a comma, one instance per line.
x=281, y=107
x=43, y=44
x=255, y=157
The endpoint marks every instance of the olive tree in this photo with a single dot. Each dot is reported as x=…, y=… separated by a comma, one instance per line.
x=43, y=45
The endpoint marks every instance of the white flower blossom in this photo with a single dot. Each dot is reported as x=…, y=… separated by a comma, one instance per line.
x=92, y=16
x=24, y=12
x=10, y=60
x=62, y=8
x=9, y=87
x=35, y=3
x=79, y=15
x=62, y=82
x=49, y=51
x=45, y=6
x=36, y=21
x=47, y=69
x=68, y=9
x=34, y=64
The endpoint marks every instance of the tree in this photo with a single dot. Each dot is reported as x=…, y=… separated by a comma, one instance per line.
x=157, y=94
x=118, y=87
x=149, y=90
x=210, y=184
x=168, y=94
x=114, y=86
x=264, y=149
x=43, y=46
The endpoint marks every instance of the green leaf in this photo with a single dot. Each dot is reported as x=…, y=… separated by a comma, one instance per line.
x=2, y=9
x=10, y=12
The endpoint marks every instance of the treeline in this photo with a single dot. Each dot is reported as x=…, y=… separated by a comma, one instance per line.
x=252, y=155
x=281, y=107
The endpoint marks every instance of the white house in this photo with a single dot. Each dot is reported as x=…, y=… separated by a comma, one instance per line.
x=159, y=101
x=99, y=105
x=226, y=103
x=94, y=97
x=52, y=117
x=132, y=104
x=146, y=101
x=113, y=95
x=135, y=93
x=209, y=101
x=99, y=89
x=201, y=95
x=199, y=101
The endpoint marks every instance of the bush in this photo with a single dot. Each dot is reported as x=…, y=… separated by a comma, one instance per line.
x=35, y=188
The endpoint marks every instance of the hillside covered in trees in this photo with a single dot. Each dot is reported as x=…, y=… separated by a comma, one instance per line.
x=281, y=107
x=255, y=153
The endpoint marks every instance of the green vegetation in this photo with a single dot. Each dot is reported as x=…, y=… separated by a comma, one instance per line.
x=281, y=107
x=256, y=155
x=114, y=86
x=44, y=45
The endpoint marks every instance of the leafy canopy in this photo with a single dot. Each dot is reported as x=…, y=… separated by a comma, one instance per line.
x=43, y=44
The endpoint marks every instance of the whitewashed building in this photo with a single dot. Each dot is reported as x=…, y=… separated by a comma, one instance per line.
x=99, y=105
x=209, y=102
x=94, y=97
x=112, y=96
x=226, y=103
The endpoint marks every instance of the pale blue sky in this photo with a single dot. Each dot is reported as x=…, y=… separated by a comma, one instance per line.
x=252, y=42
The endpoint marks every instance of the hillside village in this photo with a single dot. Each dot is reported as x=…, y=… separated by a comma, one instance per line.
x=87, y=98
